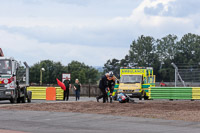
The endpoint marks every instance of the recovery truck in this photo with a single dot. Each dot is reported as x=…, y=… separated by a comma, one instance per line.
x=13, y=83
x=135, y=81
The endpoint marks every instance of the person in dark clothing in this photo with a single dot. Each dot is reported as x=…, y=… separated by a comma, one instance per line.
x=77, y=88
x=66, y=92
x=111, y=84
x=103, y=84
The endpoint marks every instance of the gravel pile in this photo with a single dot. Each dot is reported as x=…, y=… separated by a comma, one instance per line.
x=170, y=110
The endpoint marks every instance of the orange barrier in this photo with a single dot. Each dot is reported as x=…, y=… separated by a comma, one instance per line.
x=51, y=93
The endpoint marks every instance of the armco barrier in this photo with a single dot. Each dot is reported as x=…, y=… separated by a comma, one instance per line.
x=37, y=92
x=40, y=92
x=171, y=92
x=195, y=92
x=59, y=93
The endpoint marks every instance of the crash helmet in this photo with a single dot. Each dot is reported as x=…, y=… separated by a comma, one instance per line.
x=111, y=74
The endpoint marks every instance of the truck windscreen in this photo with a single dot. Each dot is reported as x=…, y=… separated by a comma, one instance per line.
x=5, y=67
x=131, y=79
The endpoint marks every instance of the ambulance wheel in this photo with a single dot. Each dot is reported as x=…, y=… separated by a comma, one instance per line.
x=146, y=97
x=140, y=98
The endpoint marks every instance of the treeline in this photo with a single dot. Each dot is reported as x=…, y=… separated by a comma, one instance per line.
x=54, y=70
x=147, y=51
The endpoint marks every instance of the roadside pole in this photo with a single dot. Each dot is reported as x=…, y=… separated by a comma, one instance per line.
x=89, y=87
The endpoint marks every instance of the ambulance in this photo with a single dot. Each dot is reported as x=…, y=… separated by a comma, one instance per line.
x=135, y=81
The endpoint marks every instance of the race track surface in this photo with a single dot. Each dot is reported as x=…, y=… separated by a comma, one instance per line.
x=60, y=122
x=88, y=116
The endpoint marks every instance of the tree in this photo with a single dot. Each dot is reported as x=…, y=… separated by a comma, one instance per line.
x=159, y=54
x=142, y=51
x=167, y=47
x=188, y=49
x=82, y=72
x=52, y=71
x=166, y=51
x=112, y=65
x=35, y=73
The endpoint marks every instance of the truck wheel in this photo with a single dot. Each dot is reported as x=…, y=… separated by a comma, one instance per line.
x=23, y=99
x=29, y=96
x=29, y=100
x=13, y=100
x=18, y=100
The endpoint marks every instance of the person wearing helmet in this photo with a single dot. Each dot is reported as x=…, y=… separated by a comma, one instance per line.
x=111, y=84
x=123, y=98
x=102, y=86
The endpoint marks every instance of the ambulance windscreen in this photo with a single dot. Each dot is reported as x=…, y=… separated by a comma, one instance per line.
x=131, y=79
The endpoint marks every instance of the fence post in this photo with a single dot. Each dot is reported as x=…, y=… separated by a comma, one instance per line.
x=89, y=90
x=89, y=87
x=176, y=77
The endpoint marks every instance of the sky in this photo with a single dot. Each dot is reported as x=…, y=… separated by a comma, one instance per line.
x=89, y=31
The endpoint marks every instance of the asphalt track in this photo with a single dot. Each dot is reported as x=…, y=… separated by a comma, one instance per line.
x=56, y=122
x=66, y=122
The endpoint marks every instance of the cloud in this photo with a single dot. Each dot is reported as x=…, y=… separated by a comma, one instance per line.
x=157, y=7
x=84, y=25
x=175, y=8
x=154, y=23
x=90, y=32
x=33, y=51
x=73, y=2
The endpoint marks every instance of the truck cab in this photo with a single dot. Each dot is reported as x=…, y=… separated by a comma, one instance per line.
x=136, y=81
x=7, y=74
x=10, y=86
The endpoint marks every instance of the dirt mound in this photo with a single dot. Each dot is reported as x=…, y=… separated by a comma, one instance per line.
x=171, y=110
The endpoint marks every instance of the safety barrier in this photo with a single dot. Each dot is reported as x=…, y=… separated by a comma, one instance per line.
x=154, y=92
x=51, y=93
x=195, y=92
x=174, y=93
x=59, y=93
x=40, y=92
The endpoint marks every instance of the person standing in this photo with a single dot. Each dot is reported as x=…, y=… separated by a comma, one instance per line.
x=68, y=86
x=77, y=88
x=111, y=84
x=103, y=84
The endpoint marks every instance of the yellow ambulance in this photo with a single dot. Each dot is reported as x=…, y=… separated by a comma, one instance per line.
x=135, y=81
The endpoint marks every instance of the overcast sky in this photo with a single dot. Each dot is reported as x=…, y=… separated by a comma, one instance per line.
x=89, y=31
